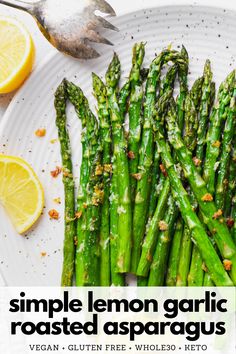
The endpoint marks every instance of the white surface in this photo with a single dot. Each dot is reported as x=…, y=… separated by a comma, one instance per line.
x=206, y=32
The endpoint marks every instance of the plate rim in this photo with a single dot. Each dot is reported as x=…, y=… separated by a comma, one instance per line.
x=151, y=4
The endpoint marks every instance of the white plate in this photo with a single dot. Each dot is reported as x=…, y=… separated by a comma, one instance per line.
x=206, y=33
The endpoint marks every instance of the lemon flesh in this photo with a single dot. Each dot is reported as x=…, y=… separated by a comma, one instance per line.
x=21, y=192
x=16, y=54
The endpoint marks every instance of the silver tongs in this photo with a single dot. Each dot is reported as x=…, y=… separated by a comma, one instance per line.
x=70, y=25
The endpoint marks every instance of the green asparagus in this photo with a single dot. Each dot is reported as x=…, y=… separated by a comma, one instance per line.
x=208, y=253
x=160, y=258
x=173, y=262
x=229, y=130
x=69, y=188
x=135, y=114
x=119, y=151
x=88, y=214
x=183, y=80
x=147, y=152
x=216, y=121
x=204, y=198
x=100, y=93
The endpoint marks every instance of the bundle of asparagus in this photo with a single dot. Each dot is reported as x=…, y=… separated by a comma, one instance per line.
x=159, y=200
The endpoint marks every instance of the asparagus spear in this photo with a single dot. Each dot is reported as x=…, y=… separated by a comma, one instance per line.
x=232, y=181
x=233, y=215
x=207, y=99
x=217, y=118
x=100, y=93
x=152, y=235
x=94, y=200
x=76, y=97
x=232, y=189
x=188, y=100
x=191, y=114
x=88, y=224
x=70, y=225
x=195, y=278
x=178, y=236
x=93, y=217
x=187, y=253
x=183, y=80
x=208, y=253
x=173, y=262
x=192, y=102
x=184, y=258
x=157, y=184
x=150, y=240
x=169, y=79
x=204, y=198
x=208, y=96
x=156, y=187
x=147, y=152
x=119, y=147
x=229, y=130
x=160, y=258
x=145, y=163
x=196, y=272
x=135, y=113
x=231, y=195
x=117, y=279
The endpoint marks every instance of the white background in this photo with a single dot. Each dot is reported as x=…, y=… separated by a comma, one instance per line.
x=215, y=344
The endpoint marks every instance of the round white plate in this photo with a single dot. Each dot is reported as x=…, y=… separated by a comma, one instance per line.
x=206, y=32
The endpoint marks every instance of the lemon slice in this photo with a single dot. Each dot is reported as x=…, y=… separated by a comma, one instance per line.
x=16, y=54
x=21, y=192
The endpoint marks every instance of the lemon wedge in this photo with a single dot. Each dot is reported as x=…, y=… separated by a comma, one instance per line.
x=16, y=54
x=21, y=192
